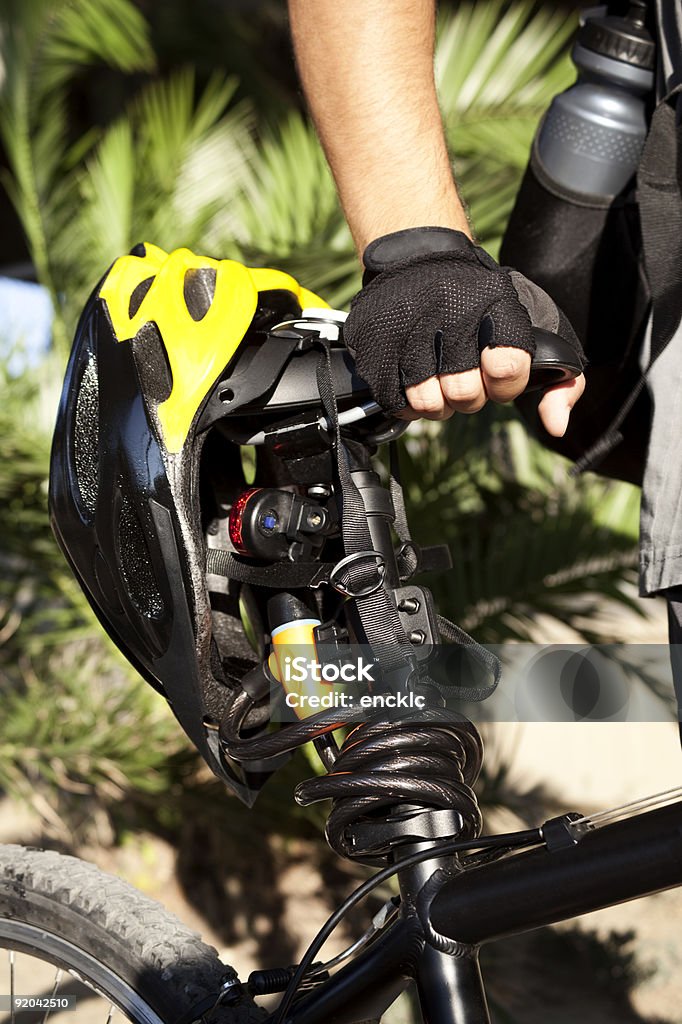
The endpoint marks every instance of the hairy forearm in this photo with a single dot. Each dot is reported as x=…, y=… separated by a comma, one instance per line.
x=367, y=72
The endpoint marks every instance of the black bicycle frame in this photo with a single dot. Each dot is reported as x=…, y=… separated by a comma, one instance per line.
x=628, y=859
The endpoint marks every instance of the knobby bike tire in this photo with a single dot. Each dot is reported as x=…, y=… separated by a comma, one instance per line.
x=120, y=941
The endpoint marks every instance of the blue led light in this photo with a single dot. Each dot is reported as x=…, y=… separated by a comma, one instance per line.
x=268, y=521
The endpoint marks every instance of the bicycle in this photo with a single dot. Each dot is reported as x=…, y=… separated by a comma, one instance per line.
x=400, y=784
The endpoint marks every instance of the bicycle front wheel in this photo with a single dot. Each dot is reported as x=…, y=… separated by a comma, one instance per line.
x=82, y=946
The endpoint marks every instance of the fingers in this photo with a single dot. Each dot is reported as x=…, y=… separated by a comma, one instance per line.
x=502, y=376
x=505, y=371
x=464, y=392
x=427, y=400
x=439, y=397
x=556, y=404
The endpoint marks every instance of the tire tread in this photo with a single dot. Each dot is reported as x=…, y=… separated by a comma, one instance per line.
x=154, y=938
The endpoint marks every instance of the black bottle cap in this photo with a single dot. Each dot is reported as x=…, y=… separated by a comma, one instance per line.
x=626, y=39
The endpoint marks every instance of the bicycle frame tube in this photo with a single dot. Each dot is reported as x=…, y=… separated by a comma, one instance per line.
x=447, y=986
x=623, y=861
x=634, y=857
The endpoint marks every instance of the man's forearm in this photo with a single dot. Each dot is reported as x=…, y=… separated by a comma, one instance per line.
x=367, y=72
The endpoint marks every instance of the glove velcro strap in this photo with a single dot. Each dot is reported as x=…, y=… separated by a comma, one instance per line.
x=385, y=252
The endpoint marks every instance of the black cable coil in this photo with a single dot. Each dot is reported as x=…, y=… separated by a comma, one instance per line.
x=384, y=763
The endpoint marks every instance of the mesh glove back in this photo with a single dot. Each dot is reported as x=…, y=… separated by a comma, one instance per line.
x=432, y=300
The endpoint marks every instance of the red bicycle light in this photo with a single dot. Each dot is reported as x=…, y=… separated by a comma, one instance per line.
x=272, y=524
x=236, y=520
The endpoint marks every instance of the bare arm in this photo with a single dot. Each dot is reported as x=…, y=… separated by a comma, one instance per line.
x=367, y=71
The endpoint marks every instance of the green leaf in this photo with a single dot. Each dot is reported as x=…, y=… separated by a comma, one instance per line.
x=107, y=192
x=497, y=68
x=495, y=54
x=289, y=216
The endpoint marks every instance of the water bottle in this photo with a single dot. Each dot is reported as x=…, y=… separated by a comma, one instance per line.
x=592, y=136
x=575, y=231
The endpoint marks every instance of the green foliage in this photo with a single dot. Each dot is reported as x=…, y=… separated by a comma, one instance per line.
x=193, y=154
x=188, y=165
x=40, y=602
x=82, y=738
x=289, y=214
x=44, y=44
x=497, y=68
x=70, y=735
x=527, y=539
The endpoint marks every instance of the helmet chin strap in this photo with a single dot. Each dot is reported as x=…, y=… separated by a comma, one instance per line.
x=381, y=624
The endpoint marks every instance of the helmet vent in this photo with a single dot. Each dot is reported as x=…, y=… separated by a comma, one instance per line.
x=136, y=564
x=86, y=435
x=152, y=363
x=199, y=289
x=138, y=295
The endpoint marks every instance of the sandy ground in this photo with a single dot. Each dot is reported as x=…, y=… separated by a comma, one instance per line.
x=254, y=920
x=259, y=902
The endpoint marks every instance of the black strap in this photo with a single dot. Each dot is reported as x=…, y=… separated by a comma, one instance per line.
x=456, y=635
x=296, y=575
x=409, y=556
x=401, y=525
x=659, y=191
x=278, y=575
x=381, y=623
x=659, y=195
x=412, y=558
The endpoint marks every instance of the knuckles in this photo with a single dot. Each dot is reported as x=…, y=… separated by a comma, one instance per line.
x=504, y=366
x=470, y=407
x=464, y=391
x=426, y=403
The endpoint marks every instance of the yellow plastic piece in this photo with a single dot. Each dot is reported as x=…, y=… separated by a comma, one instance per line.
x=198, y=351
x=293, y=663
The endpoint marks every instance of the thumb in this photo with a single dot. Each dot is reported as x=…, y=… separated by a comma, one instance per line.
x=556, y=405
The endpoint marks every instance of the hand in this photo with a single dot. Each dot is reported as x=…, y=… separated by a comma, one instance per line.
x=432, y=300
x=501, y=377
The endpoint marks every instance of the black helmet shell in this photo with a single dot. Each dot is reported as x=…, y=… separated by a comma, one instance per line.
x=153, y=340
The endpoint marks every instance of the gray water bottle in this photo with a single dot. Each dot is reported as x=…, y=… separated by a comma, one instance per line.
x=591, y=138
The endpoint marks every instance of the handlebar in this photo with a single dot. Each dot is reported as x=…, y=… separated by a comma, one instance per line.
x=554, y=362
x=287, y=356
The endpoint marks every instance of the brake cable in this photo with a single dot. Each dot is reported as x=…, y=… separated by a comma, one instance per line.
x=528, y=837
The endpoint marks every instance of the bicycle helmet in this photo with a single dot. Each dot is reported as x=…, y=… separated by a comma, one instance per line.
x=127, y=477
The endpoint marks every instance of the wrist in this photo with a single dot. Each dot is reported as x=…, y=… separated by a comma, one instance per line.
x=409, y=198
x=389, y=224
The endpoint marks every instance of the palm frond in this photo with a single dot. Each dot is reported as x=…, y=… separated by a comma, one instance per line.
x=78, y=34
x=194, y=152
x=497, y=68
x=289, y=215
x=495, y=54
x=108, y=195
x=43, y=45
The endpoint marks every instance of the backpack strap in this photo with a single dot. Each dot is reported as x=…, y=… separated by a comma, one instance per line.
x=659, y=194
x=659, y=189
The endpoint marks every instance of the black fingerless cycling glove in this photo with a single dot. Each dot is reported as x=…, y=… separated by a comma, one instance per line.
x=431, y=301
